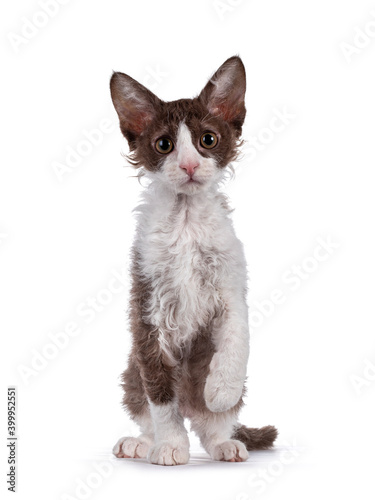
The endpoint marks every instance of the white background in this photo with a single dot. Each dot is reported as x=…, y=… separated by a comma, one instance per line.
x=61, y=240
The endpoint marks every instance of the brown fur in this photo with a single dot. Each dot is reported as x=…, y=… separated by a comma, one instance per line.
x=256, y=439
x=147, y=364
x=155, y=118
x=151, y=375
x=149, y=372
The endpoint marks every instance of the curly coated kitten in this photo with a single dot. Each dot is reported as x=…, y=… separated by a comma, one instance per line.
x=188, y=311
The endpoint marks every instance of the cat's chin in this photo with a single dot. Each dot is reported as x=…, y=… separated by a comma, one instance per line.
x=192, y=187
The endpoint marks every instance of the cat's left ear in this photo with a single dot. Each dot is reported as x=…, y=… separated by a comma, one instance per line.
x=224, y=94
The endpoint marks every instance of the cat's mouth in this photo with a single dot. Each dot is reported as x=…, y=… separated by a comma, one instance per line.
x=193, y=180
x=191, y=185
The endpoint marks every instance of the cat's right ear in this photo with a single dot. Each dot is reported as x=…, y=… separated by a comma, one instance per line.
x=135, y=105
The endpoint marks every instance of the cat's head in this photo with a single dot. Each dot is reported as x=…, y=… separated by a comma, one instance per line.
x=187, y=143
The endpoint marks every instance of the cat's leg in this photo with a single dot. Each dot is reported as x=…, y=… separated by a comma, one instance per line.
x=137, y=406
x=160, y=375
x=215, y=431
x=171, y=440
x=168, y=445
x=227, y=373
x=136, y=447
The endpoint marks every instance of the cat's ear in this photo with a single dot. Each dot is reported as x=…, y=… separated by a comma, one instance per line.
x=224, y=94
x=136, y=106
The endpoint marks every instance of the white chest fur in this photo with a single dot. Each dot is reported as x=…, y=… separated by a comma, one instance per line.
x=189, y=252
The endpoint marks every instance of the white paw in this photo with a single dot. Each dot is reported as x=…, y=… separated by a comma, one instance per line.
x=221, y=393
x=230, y=451
x=130, y=447
x=166, y=454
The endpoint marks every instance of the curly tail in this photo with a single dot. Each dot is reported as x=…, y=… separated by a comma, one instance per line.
x=256, y=439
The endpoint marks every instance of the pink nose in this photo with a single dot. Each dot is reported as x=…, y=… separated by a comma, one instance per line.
x=190, y=168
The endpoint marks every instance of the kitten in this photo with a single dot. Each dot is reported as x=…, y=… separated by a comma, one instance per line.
x=188, y=311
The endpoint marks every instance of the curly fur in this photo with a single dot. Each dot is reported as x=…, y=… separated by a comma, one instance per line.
x=188, y=311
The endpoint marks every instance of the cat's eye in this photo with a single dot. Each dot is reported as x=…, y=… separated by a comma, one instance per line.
x=209, y=140
x=164, y=145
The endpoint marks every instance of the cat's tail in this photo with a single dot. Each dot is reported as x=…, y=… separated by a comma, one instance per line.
x=256, y=438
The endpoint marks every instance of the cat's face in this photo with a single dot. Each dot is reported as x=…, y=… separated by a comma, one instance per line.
x=185, y=143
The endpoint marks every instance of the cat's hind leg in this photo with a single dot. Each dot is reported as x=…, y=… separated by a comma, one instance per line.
x=215, y=431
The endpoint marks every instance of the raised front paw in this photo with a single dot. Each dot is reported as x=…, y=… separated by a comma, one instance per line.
x=223, y=388
x=165, y=453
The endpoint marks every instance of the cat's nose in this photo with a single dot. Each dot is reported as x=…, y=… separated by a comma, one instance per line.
x=189, y=167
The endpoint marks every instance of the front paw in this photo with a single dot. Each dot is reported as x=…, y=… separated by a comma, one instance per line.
x=222, y=390
x=129, y=447
x=165, y=453
x=230, y=451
